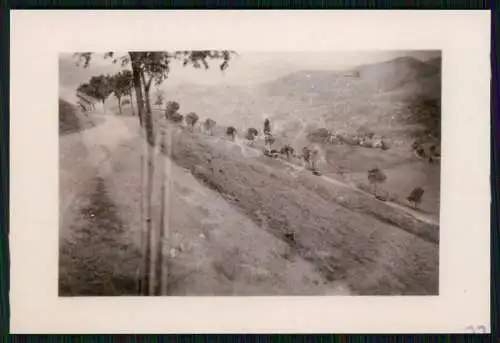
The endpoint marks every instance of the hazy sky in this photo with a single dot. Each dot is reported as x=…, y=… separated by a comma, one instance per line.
x=247, y=68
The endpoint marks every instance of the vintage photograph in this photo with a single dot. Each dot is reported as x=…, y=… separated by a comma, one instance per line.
x=233, y=173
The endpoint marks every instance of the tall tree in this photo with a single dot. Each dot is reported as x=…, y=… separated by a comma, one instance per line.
x=149, y=67
x=102, y=86
x=268, y=137
x=121, y=85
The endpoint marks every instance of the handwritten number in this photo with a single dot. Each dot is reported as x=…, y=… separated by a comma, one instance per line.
x=476, y=329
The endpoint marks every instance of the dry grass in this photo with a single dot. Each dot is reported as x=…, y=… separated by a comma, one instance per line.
x=71, y=120
x=97, y=260
x=404, y=172
x=344, y=235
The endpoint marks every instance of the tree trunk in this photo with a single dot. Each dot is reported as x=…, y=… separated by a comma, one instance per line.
x=163, y=233
x=150, y=139
x=147, y=86
x=146, y=270
x=132, y=103
x=119, y=104
x=167, y=143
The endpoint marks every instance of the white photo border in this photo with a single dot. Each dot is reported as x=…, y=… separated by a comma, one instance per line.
x=37, y=39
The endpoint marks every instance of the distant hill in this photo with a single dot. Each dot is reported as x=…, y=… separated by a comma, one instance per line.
x=390, y=75
x=382, y=96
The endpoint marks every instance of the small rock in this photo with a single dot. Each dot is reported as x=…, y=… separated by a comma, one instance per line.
x=202, y=235
x=173, y=252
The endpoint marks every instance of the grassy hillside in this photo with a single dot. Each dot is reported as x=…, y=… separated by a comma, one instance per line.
x=404, y=172
x=398, y=99
x=348, y=237
x=381, y=96
x=70, y=120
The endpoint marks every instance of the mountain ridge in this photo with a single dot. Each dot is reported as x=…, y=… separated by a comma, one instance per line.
x=377, y=95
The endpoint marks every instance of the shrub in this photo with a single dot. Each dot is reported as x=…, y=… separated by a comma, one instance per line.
x=415, y=197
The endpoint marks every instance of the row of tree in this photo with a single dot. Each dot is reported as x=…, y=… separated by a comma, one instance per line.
x=102, y=86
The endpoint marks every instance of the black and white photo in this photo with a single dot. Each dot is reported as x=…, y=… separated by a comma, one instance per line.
x=249, y=171
x=243, y=173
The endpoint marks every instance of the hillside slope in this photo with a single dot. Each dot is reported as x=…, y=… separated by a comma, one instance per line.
x=71, y=120
x=233, y=213
x=378, y=96
x=348, y=237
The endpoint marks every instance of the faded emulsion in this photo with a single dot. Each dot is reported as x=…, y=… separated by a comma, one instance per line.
x=216, y=173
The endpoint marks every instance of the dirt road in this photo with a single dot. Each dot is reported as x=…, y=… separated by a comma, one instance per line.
x=84, y=155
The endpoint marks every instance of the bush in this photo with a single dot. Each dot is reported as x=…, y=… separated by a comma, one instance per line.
x=415, y=196
x=171, y=110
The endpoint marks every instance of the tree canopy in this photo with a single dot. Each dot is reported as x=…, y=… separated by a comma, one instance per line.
x=122, y=83
x=251, y=133
x=267, y=127
x=376, y=176
x=103, y=86
x=191, y=118
x=171, y=110
x=156, y=64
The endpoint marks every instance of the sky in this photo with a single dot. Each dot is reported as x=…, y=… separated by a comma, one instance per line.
x=248, y=68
